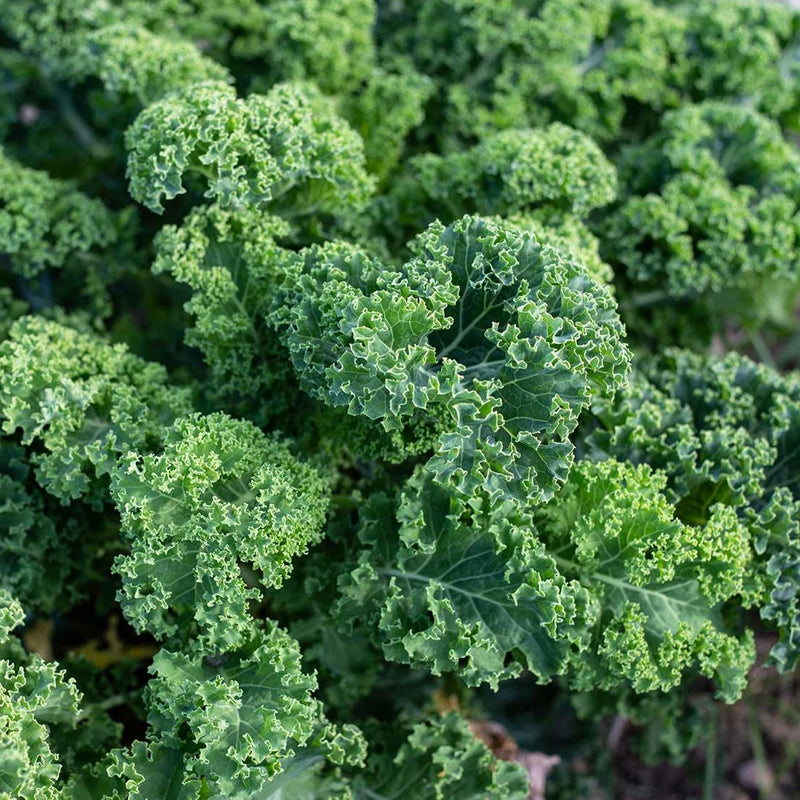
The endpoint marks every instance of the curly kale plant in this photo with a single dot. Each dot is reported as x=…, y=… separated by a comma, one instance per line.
x=710, y=222
x=364, y=363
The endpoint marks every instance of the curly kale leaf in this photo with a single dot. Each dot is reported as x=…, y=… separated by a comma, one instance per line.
x=657, y=584
x=75, y=42
x=53, y=31
x=84, y=400
x=776, y=531
x=45, y=550
x=731, y=421
x=707, y=460
x=148, y=770
x=327, y=42
x=230, y=261
x=58, y=245
x=227, y=726
x=33, y=695
x=506, y=54
x=46, y=222
x=603, y=583
x=744, y=50
x=454, y=589
x=608, y=68
x=286, y=148
x=518, y=170
x=568, y=234
x=555, y=172
x=221, y=495
x=441, y=759
x=129, y=60
x=29, y=544
x=485, y=322
x=400, y=88
x=10, y=309
x=710, y=218
x=724, y=432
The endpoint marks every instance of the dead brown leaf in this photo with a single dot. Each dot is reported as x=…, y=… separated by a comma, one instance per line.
x=503, y=745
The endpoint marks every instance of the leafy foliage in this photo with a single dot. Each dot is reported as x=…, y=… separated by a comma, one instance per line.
x=285, y=147
x=230, y=261
x=33, y=694
x=86, y=401
x=322, y=434
x=529, y=339
x=458, y=591
x=44, y=222
x=45, y=552
x=710, y=217
x=226, y=725
x=603, y=67
x=518, y=170
x=658, y=583
x=440, y=759
x=725, y=433
x=219, y=495
x=130, y=60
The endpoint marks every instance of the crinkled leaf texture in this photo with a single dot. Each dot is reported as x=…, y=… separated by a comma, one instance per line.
x=777, y=539
x=709, y=220
x=85, y=400
x=440, y=760
x=485, y=323
x=221, y=495
x=235, y=725
x=400, y=88
x=130, y=60
x=455, y=589
x=604, y=583
x=725, y=432
x=567, y=233
x=33, y=693
x=287, y=147
x=230, y=260
x=37, y=555
x=329, y=42
x=608, y=69
x=46, y=222
x=46, y=549
x=518, y=170
x=657, y=585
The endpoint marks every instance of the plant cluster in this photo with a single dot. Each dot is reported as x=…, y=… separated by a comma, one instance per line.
x=367, y=360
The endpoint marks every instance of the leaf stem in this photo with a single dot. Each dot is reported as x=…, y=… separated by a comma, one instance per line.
x=710, y=780
x=110, y=702
x=763, y=776
x=76, y=123
x=762, y=349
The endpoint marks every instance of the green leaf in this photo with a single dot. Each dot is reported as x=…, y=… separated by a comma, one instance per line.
x=485, y=323
x=221, y=495
x=237, y=719
x=519, y=170
x=45, y=222
x=33, y=695
x=657, y=584
x=286, y=148
x=230, y=260
x=85, y=400
x=460, y=590
x=440, y=760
